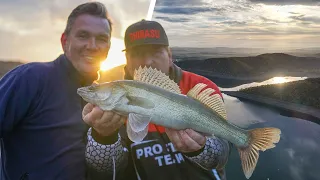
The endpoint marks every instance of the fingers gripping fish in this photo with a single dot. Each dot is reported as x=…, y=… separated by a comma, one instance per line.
x=153, y=97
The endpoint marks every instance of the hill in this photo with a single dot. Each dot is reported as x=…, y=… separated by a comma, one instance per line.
x=230, y=71
x=7, y=66
x=264, y=65
x=195, y=53
x=305, y=92
x=200, y=53
x=105, y=76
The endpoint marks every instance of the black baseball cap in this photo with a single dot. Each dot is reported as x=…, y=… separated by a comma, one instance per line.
x=145, y=32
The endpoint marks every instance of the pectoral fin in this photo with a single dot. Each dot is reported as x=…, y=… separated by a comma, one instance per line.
x=138, y=122
x=137, y=127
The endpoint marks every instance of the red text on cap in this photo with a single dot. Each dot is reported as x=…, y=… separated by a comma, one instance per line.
x=142, y=34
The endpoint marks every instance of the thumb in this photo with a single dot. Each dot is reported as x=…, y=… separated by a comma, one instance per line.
x=87, y=109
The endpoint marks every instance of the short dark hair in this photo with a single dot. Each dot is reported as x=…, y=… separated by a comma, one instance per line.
x=92, y=8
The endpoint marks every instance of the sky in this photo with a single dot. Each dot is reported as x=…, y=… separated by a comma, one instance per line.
x=269, y=24
x=31, y=30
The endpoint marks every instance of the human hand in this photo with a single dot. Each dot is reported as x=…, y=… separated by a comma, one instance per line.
x=104, y=122
x=186, y=140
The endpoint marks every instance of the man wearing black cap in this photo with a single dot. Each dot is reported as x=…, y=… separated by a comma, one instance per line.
x=165, y=153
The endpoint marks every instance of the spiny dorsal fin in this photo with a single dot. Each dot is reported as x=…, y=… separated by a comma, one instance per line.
x=212, y=101
x=156, y=78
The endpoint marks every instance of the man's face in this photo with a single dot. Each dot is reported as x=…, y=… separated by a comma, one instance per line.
x=154, y=56
x=88, y=43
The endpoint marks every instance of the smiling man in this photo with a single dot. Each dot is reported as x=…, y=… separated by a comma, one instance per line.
x=42, y=132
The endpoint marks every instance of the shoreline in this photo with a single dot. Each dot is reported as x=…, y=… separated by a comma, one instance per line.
x=286, y=108
x=230, y=81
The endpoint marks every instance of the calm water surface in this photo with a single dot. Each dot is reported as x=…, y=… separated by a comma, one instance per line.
x=295, y=157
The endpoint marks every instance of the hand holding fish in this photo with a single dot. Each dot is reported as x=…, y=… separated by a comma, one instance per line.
x=186, y=140
x=104, y=122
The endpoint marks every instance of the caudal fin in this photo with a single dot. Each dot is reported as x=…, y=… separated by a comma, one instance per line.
x=259, y=139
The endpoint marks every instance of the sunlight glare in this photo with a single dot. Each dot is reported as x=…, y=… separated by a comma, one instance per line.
x=279, y=80
x=115, y=57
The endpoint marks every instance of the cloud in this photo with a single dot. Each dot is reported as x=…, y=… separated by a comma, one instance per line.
x=306, y=19
x=268, y=20
x=291, y=153
x=293, y=13
x=287, y=2
x=230, y=23
x=310, y=144
x=296, y=172
x=42, y=23
x=56, y=11
x=173, y=19
x=184, y=10
x=178, y=2
x=233, y=23
x=302, y=155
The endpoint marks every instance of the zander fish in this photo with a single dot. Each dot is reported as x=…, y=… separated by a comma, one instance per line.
x=153, y=97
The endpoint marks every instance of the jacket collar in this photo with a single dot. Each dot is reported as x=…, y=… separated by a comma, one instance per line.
x=175, y=73
x=73, y=73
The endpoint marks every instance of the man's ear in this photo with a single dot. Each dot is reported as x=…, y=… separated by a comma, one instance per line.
x=63, y=41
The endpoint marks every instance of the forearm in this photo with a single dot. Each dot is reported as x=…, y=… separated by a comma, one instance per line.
x=105, y=158
x=214, y=154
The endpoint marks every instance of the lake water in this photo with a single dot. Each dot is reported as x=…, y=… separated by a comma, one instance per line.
x=295, y=157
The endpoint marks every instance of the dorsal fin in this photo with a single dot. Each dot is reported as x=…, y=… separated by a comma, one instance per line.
x=212, y=101
x=156, y=78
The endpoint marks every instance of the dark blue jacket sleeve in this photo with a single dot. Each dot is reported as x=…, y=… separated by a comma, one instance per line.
x=17, y=90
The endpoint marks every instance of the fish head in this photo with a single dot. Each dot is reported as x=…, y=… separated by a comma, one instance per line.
x=106, y=95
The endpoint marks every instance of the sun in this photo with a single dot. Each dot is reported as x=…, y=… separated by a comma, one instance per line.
x=279, y=80
x=115, y=57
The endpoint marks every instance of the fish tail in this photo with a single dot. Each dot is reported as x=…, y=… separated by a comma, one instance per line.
x=259, y=139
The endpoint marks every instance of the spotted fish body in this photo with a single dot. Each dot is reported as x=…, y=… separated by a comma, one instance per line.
x=179, y=112
x=153, y=97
